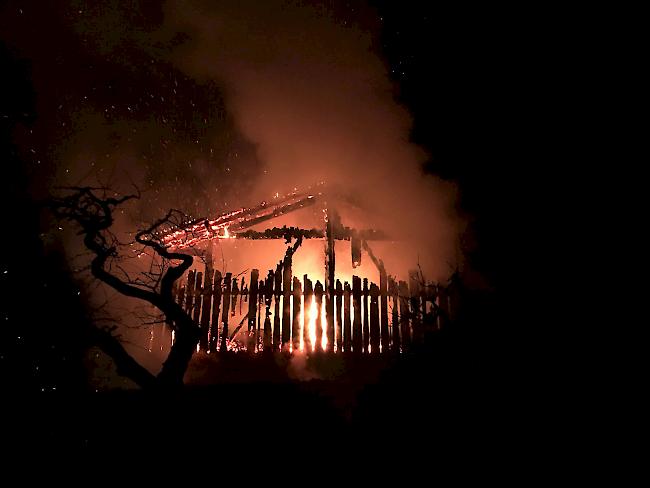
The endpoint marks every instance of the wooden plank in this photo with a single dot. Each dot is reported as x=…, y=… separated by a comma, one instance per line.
x=404, y=315
x=309, y=292
x=286, y=301
x=205, y=311
x=330, y=267
x=374, y=319
x=277, y=290
x=347, y=326
x=268, y=298
x=260, y=307
x=216, y=307
x=198, y=292
x=318, y=296
x=252, y=311
x=189, y=291
x=243, y=295
x=297, y=297
x=383, y=307
x=416, y=322
x=225, y=312
x=366, y=313
x=392, y=290
x=357, y=341
x=339, y=316
x=234, y=295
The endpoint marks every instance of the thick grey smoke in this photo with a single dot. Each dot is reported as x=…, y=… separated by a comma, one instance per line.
x=306, y=85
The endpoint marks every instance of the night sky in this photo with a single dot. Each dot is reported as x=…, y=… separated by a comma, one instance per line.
x=104, y=76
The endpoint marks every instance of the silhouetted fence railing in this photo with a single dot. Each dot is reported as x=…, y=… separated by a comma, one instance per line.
x=284, y=313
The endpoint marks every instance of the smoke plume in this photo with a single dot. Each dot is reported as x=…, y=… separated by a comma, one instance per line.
x=307, y=86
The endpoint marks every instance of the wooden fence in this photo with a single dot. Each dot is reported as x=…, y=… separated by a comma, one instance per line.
x=276, y=313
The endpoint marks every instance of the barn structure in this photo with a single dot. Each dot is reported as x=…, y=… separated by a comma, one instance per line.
x=280, y=312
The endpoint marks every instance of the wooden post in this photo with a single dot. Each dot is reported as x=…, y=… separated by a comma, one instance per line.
x=234, y=295
x=392, y=289
x=366, y=313
x=261, y=290
x=243, y=296
x=252, y=311
x=347, y=326
x=374, y=319
x=404, y=314
x=416, y=323
x=268, y=339
x=225, y=312
x=339, y=316
x=198, y=291
x=356, y=326
x=295, y=329
x=383, y=297
x=308, y=297
x=216, y=306
x=286, y=301
x=277, y=290
x=330, y=267
x=205, y=312
x=318, y=295
x=189, y=291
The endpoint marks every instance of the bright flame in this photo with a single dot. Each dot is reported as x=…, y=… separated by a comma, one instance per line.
x=323, y=321
x=312, y=323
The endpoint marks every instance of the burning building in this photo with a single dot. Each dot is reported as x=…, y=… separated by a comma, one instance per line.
x=300, y=305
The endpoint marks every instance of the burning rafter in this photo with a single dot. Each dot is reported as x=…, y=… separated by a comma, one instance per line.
x=230, y=224
x=237, y=224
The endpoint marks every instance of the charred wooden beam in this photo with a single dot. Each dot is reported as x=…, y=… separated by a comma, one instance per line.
x=374, y=319
x=392, y=290
x=295, y=329
x=216, y=306
x=189, y=291
x=289, y=233
x=226, y=312
x=286, y=300
x=356, y=300
x=234, y=295
x=404, y=315
x=366, y=314
x=277, y=290
x=309, y=292
x=286, y=233
x=416, y=321
x=318, y=298
x=198, y=292
x=205, y=312
x=347, y=326
x=268, y=298
x=383, y=297
x=330, y=271
x=252, y=310
x=339, y=316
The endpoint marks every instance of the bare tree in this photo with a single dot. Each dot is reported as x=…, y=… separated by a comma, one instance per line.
x=92, y=210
